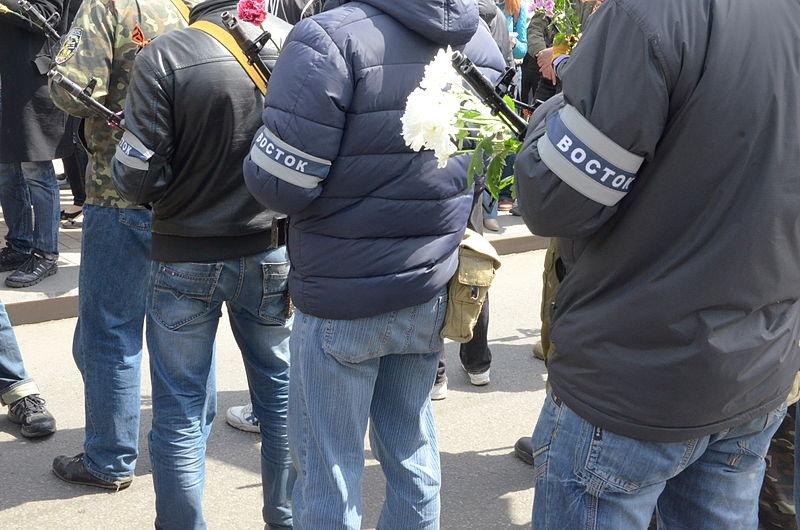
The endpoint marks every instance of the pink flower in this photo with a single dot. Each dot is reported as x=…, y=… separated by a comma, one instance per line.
x=253, y=11
x=542, y=6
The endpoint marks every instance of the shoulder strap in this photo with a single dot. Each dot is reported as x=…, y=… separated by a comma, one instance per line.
x=182, y=8
x=225, y=38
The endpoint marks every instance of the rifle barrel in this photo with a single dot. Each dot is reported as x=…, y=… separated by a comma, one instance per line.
x=487, y=94
x=75, y=89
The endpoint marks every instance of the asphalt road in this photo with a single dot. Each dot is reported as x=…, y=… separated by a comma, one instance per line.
x=484, y=486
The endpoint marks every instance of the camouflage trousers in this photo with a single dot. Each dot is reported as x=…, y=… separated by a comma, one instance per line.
x=550, y=284
x=776, y=505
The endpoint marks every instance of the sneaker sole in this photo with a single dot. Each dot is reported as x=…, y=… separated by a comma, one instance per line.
x=20, y=285
x=112, y=487
x=478, y=382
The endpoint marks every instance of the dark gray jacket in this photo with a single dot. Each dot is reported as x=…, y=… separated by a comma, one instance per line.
x=672, y=162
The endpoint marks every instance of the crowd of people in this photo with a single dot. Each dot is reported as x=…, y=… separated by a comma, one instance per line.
x=662, y=159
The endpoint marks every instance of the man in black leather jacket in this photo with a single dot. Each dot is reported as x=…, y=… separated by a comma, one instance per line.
x=190, y=114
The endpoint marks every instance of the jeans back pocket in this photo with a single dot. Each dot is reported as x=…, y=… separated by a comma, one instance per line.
x=412, y=330
x=626, y=464
x=136, y=219
x=183, y=292
x=275, y=306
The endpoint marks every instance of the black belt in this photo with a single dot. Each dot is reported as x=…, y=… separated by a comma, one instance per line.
x=280, y=231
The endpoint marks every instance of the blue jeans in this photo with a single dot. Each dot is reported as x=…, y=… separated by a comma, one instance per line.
x=345, y=372
x=182, y=318
x=797, y=468
x=15, y=383
x=26, y=184
x=107, y=346
x=587, y=477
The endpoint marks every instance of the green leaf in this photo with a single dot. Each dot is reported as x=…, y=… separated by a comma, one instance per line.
x=475, y=166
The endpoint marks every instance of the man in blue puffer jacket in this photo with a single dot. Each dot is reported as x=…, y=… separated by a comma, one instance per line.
x=373, y=241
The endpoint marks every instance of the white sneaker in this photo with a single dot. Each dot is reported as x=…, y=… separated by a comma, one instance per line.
x=439, y=391
x=479, y=379
x=243, y=418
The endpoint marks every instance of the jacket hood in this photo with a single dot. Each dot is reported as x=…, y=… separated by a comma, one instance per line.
x=444, y=22
x=487, y=10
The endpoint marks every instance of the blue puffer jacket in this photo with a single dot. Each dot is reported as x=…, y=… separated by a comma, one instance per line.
x=374, y=226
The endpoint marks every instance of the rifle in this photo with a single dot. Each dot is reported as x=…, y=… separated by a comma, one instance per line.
x=84, y=95
x=44, y=23
x=250, y=47
x=488, y=94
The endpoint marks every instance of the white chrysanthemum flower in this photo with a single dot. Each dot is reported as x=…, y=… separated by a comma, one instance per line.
x=429, y=122
x=439, y=73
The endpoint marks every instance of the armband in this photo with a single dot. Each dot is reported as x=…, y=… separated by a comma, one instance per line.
x=586, y=159
x=133, y=153
x=287, y=163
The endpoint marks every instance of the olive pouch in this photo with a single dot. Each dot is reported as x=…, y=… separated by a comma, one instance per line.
x=477, y=263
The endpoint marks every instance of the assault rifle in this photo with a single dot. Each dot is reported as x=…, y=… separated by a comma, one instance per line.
x=84, y=95
x=487, y=93
x=46, y=24
x=250, y=47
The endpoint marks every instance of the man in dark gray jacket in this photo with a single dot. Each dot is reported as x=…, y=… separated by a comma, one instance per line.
x=670, y=166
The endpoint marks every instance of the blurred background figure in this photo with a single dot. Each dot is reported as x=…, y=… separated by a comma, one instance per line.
x=33, y=133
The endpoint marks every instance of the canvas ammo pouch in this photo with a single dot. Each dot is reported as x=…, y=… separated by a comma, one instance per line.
x=477, y=263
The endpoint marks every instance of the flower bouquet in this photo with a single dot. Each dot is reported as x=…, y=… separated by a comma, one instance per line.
x=444, y=116
x=567, y=27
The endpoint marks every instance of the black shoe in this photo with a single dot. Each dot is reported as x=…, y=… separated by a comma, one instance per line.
x=29, y=412
x=71, y=216
x=73, y=470
x=36, y=269
x=11, y=260
x=523, y=449
x=515, y=211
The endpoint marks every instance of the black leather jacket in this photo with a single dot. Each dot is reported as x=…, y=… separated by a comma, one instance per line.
x=190, y=115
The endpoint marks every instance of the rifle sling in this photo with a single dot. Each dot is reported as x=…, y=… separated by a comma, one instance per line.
x=224, y=38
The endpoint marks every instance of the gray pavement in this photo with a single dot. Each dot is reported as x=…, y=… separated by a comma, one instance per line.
x=484, y=486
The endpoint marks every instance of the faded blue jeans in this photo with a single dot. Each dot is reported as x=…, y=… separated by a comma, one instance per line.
x=15, y=383
x=797, y=467
x=107, y=347
x=183, y=313
x=344, y=373
x=26, y=184
x=590, y=478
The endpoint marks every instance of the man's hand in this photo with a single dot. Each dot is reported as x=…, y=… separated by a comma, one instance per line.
x=545, y=60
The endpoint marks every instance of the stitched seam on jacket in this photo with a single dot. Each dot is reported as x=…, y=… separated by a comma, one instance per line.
x=649, y=34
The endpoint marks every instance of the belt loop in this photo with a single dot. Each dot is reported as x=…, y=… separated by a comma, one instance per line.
x=555, y=398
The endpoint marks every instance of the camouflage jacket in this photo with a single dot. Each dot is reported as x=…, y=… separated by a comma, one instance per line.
x=102, y=43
